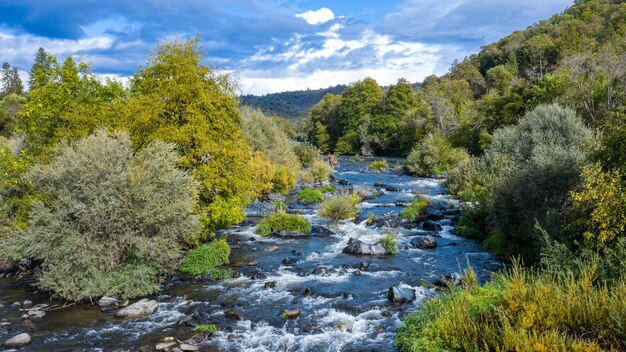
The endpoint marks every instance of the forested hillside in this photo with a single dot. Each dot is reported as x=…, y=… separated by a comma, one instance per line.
x=289, y=105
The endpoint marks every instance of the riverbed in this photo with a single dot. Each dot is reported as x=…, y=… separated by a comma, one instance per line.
x=342, y=298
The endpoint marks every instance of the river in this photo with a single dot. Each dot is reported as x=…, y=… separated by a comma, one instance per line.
x=342, y=298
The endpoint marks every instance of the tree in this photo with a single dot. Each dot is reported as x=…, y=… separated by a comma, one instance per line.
x=10, y=81
x=178, y=99
x=42, y=69
x=112, y=220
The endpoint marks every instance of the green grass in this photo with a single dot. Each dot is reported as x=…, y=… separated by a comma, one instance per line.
x=414, y=210
x=389, y=242
x=341, y=207
x=371, y=219
x=378, y=165
x=522, y=310
x=327, y=188
x=219, y=273
x=206, y=328
x=356, y=158
x=310, y=196
x=204, y=258
x=281, y=221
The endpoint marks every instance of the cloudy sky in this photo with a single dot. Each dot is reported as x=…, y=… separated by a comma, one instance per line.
x=270, y=45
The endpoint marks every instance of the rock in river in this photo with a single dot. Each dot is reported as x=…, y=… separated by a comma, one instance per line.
x=358, y=247
x=399, y=294
x=139, y=309
x=430, y=226
x=290, y=314
x=108, y=303
x=18, y=340
x=365, y=192
x=424, y=242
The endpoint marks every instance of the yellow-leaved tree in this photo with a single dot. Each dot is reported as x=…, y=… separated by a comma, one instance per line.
x=176, y=98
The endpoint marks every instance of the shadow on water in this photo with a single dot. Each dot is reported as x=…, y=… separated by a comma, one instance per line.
x=342, y=298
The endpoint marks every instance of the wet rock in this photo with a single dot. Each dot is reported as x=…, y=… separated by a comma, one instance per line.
x=320, y=230
x=435, y=215
x=231, y=314
x=270, y=248
x=270, y=284
x=387, y=187
x=290, y=234
x=453, y=279
x=319, y=271
x=399, y=295
x=164, y=346
x=386, y=313
x=424, y=242
x=258, y=276
x=358, y=247
x=307, y=291
x=176, y=349
x=27, y=303
x=19, y=340
x=287, y=261
x=357, y=273
x=362, y=265
x=252, y=263
x=276, y=197
x=16, y=305
x=107, y=303
x=341, y=326
x=188, y=347
x=343, y=182
x=380, y=330
x=7, y=267
x=139, y=309
x=295, y=252
x=365, y=192
x=430, y=226
x=451, y=244
x=290, y=314
x=310, y=329
x=36, y=313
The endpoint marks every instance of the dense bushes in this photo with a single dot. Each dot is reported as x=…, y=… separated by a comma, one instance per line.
x=111, y=220
x=412, y=211
x=434, y=155
x=281, y=221
x=340, y=207
x=378, y=165
x=310, y=195
x=206, y=257
x=522, y=310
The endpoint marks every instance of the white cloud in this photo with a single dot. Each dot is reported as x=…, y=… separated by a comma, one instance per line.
x=316, y=17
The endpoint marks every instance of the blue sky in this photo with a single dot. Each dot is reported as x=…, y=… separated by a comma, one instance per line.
x=270, y=45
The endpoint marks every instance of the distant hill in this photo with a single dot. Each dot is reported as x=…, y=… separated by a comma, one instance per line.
x=290, y=105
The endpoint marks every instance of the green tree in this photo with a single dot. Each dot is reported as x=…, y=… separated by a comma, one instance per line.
x=112, y=220
x=42, y=70
x=10, y=81
x=178, y=99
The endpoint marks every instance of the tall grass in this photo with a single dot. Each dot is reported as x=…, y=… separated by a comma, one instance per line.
x=522, y=310
x=341, y=207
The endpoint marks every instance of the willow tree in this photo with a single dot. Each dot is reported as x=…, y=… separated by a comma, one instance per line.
x=178, y=99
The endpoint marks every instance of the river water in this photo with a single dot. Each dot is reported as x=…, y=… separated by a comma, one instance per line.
x=344, y=306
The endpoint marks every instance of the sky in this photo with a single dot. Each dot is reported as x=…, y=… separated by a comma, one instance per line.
x=269, y=45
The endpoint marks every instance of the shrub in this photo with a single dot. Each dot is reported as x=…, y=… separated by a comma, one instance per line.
x=341, y=207
x=378, y=165
x=206, y=328
x=434, y=155
x=522, y=310
x=307, y=154
x=389, y=242
x=112, y=220
x=281, y=221
x=318, y=171
x=414, y=210
x=204, y=258
x=356, y=158
x=310, y=195
x=327, y=188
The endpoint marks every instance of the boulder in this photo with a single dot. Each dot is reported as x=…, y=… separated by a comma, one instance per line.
x=164, y=346
x=231, y=314
x=365, y=192
x=188, y=347
x=424, y=242
x=270, y=249
x=358, y=247
x=19, y=340
x=139, y=309
x=36, y=313
x=430, y=226
x=290, y=314
x=399, y=294
x=290, y=234
x=453, y=279
x=435, y=215
x=320, y=230
x=108, y=303
x=387, y=187
x=343, y=182
x=276, y=197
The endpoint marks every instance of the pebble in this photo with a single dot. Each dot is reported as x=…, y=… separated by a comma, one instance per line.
x=18, y=340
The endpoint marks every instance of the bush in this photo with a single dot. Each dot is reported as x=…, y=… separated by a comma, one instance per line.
x=310, y=195
x=206, y=328
x=522, y=310
x=281, y=221
x=434, y=155
x=389, y=242
x=414, y=210
x=378, y=165
x=204, y=258
x=112, y=220
x=307, y=154
x=318, y=171
x=327, y=188
x=341, y=207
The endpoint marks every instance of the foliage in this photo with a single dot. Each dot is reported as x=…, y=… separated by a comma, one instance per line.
x=206, y=328
x=219, y=273
x=266, y=136
x=178, y=99
x=112, y=220
x=434, y=155
x=378, y=165
x=516, y=311
x=327, y=188
x=389, y=242
x=340, y=207
x=206, y=257
x=415, y=209
x=318, y=171
x=10, y=81
x=604, y=197
x=281, y=221
x=310, y=195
